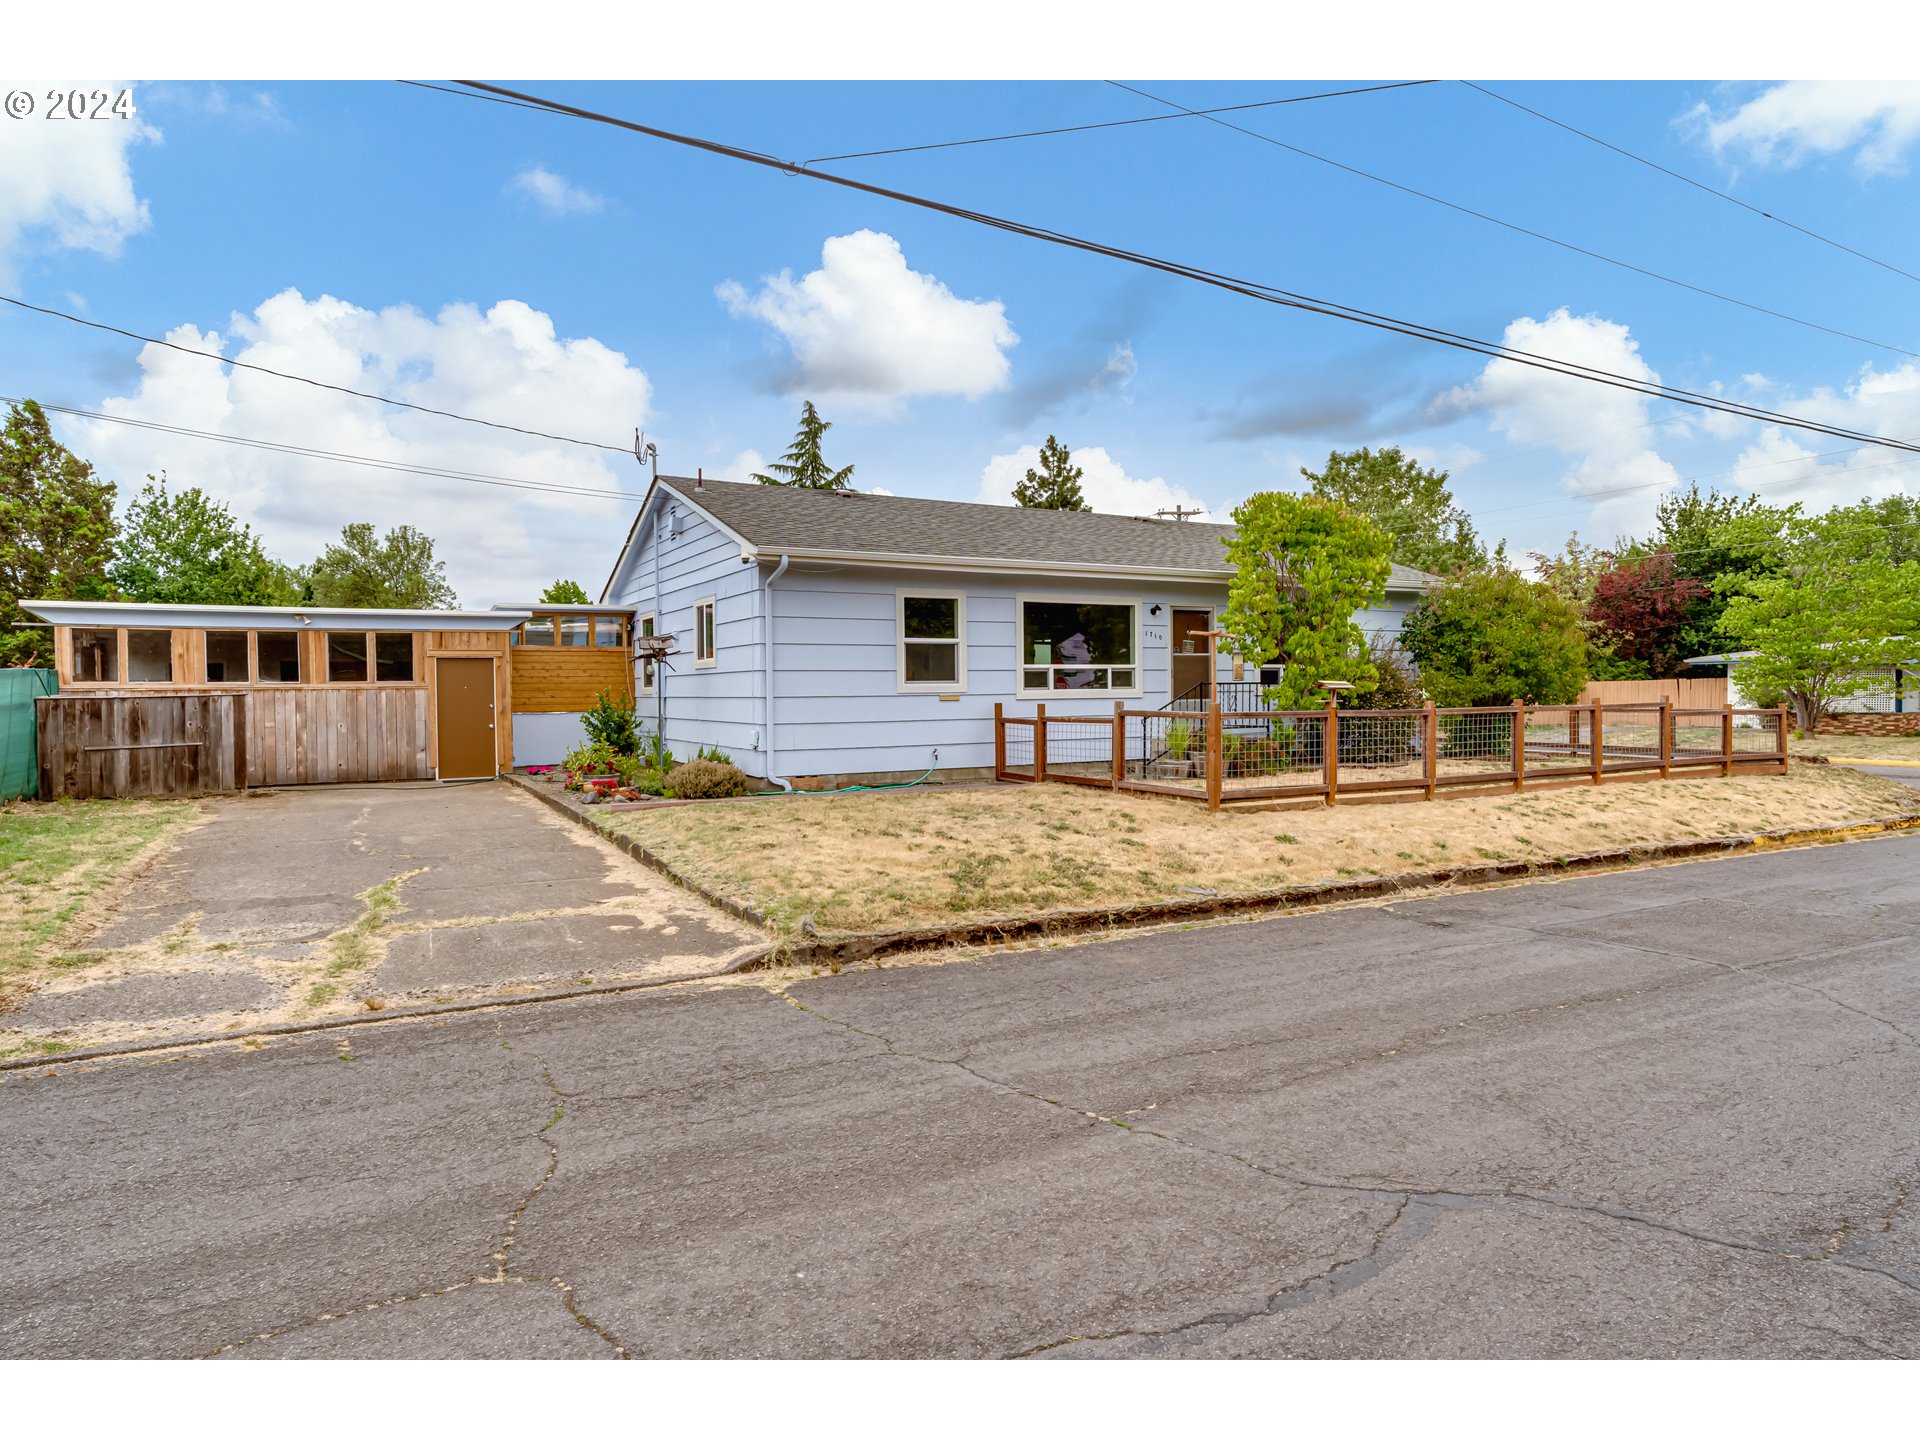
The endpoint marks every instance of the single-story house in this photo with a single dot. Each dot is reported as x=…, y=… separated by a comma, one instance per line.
x=821, y=637
x=1889, y=706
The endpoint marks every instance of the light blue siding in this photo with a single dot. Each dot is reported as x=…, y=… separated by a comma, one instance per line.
x=545, y=737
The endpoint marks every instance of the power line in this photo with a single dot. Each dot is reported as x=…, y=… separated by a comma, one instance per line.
x=1102, y=125
x=307, y=380
x=1523, y=230
x=1688, y=180
x=1269, y=294
x=433, y=472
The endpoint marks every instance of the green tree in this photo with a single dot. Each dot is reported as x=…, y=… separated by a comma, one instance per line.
x=1303, y=568
x=1696, y=529
x=1412, y=504
x=186, y=548
x=56, y=531
x=564, y=592
x=366, y=571
x=803, y=466
x=1828, y=609
x=1055, y=485
x=1573, y=574
x=1497, y=637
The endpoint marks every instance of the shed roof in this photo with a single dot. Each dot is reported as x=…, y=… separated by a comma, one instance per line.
x=779, y=518
x=256, y=617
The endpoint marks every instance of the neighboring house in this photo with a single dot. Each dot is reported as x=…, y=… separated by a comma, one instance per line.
x=823, y=636
x=1895, y=693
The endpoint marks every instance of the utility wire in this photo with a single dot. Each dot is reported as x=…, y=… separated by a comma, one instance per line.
x=1270, y=294
x=369, y=462
x=1522, y=229
x=306, y=380
x=1688, y=180
x=1105, y=124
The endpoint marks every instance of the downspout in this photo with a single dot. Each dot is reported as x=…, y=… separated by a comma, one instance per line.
x=772, y=777
x=659, y=622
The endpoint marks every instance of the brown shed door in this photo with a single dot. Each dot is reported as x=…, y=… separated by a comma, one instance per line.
x=1190, y=650
x=464, y=720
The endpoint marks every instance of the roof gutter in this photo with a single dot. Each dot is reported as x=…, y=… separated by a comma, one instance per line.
x=892, y=560
x=767, y=639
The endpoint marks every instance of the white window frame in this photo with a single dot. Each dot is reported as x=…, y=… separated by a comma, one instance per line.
x=929, y=687
x=1020, y=603
x=645, y=668
x=710, y=659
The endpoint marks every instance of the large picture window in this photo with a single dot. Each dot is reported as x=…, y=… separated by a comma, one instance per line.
x=1079, y=645
x=932, y=646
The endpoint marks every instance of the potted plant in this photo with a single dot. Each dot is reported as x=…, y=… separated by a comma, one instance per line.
x=1177, y=762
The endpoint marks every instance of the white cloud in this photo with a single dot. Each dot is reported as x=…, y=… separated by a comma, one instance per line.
x=553, y=193
x=743, y=466
x=1106, y=486
x=1606, y=427
x=504, y=364
x=866, y=331
x=1118, y=372
x=1784, y=466
x=68, y=185
x=1783, y=125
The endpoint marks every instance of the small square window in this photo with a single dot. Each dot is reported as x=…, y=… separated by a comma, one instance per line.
x=573, y=630
x=96, y=656
x=393, y=656
x=227, y=657
x=150, y=656
x=278, y=654
x=609, y=631
x=346, y=657
x=538, y=631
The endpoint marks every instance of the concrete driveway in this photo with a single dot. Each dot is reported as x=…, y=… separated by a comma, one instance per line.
x=1665, y=1113
x=299, y=904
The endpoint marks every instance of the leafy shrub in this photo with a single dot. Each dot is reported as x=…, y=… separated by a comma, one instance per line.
x=591, y=759
x=1179, y=739
x=611, y=723
x=649, y=782
x=705, y=780
x=653, y=751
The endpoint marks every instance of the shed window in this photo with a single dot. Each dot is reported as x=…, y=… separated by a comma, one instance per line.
x=704, y=649
x=346, y=657
x=393, y=656
x=150, y=656
x=226, y=657
x=609, y=631
x=96, y=655
x=538, y=631
x=573, y=630
x=1078, y=645
x=932, y=643
x=278, y=653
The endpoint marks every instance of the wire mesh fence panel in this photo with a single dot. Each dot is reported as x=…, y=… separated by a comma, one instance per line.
x=1474, y=744
x=1267, y=752
x=1019, y=742
x=1630, y=736
x=1080, y=750
x=1163, y=748
x=1697, y=736
x=1756, y=733
x=1382, y=747
x=1559, y=740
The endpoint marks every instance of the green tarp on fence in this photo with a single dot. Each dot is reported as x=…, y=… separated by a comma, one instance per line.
x=19, y=743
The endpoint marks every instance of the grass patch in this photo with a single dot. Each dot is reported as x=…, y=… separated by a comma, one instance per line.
x=1859, y=747
x=59, y=860
x=1027, y=850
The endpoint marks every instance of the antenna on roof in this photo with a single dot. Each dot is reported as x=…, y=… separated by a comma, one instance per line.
x=645, y=450
x=1176, y=513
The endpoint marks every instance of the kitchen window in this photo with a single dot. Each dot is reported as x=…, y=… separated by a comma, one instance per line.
x=704, y=649
x=1089, y=647
x=931, y=632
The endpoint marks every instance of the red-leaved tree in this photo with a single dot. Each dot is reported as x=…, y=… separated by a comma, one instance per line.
x=1643, y=606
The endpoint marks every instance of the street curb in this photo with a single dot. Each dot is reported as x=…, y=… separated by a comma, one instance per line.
x=1886, y=764
x=751, y=960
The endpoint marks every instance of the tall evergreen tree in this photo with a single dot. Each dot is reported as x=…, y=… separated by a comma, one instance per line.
x=185, y=548
x=56, y=531
x=1412, y=503
x=1055, y=485
x=803, y=466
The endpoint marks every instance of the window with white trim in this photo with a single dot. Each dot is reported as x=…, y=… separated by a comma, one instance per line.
x=704, y=649
x=643, y=629
x=931, y=644
x=1084, y=646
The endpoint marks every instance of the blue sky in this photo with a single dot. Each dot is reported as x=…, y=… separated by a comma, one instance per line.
x=568, y=277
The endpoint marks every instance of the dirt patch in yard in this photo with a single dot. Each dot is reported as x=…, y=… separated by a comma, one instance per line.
x=925, y=857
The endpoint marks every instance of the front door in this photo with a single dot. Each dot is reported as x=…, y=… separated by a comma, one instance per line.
x=1190, y=653
x=463, y=717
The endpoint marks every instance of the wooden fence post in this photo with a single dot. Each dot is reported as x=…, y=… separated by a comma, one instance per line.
x=1216, y=762
x=1039, y=744
x=1432, y=747
x=1119, y=742
x=1330, y=733
x=1666, y=737
x=1783, y=739
x=1726, y=741
x=1519, y=746
x=1598, y=742
x=999, y=742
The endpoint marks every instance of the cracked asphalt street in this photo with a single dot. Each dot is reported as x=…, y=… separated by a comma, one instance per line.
x=1665, y=1113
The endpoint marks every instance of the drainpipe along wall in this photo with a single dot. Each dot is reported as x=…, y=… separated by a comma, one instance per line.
x=766, y=635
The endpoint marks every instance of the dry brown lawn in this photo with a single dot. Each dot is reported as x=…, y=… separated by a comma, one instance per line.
x=1860, y=747
x=920, y=857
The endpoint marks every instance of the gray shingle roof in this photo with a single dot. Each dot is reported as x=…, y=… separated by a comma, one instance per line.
x=778, y=517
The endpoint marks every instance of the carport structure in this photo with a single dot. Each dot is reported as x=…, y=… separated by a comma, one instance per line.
x=177, y=699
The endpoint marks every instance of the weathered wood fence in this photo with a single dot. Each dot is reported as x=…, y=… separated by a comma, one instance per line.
x=99, y=747
x=1226, y=756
